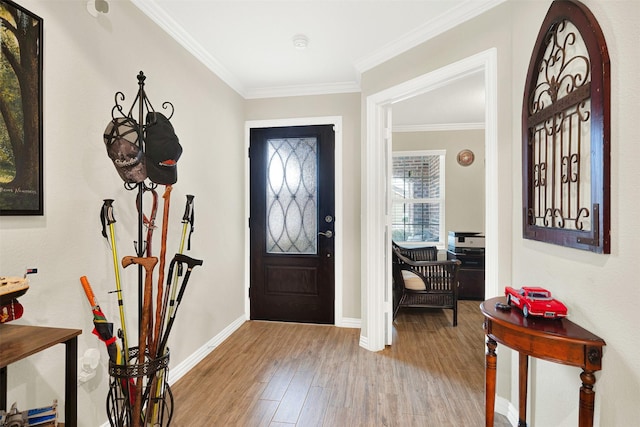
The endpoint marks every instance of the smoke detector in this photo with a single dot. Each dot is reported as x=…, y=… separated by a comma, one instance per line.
x=300, y=41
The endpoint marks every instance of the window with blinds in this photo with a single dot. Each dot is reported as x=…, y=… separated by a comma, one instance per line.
x=417, y=213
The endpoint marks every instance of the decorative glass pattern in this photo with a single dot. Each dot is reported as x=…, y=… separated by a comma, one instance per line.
x=417, y=198
x=292, y=195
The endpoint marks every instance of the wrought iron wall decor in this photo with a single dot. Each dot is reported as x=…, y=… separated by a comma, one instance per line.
x=566, y=132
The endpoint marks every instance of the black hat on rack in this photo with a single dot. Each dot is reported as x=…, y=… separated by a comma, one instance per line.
x=162, y=150
x=122, y=143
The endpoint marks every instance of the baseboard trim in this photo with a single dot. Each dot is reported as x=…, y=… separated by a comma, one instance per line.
x=506, y=408
x=350, y=322
x=186, y=365
x=364, y=341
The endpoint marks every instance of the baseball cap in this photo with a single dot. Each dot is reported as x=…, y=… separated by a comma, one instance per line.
x=121, y=141
x=162, y=150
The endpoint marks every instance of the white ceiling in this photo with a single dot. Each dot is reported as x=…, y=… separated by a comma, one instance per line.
x=458, y=105
x=249, y=44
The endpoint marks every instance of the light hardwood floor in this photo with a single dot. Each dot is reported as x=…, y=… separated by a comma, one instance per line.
x=279, y=374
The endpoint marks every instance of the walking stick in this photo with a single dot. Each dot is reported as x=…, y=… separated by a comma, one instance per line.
x=187, y=218
x=109, y=219
x=148, y=222
x=155, y=332
x=157, y=382
x=163, y=253
x=148, y=263
x=191, y=264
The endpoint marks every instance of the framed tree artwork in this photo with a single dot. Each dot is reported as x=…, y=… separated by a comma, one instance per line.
x=21, y=34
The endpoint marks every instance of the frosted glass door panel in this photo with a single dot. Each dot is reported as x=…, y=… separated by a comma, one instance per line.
x=292, y=195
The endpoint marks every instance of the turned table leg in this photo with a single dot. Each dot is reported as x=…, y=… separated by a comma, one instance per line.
x=490, y=382
x=522, y=389
x=587, y=397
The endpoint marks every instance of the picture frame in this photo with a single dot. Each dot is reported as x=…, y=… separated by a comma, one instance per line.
x=21, y=111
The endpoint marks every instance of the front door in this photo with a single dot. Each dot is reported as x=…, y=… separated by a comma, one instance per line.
x=292, y=224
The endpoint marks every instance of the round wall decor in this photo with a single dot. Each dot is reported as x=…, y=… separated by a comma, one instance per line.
x=465, y=157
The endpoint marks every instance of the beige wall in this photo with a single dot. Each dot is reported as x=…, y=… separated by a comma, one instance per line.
x=601, y=291
x=464, y=185
x=348, y=107
x=86, y=61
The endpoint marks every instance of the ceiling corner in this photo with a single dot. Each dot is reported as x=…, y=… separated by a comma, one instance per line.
x=438, y=25
x=179, y=34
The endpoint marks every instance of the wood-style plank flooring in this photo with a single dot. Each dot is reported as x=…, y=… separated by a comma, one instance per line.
x=292, y=375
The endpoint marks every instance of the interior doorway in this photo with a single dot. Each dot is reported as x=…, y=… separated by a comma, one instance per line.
x=376, y=227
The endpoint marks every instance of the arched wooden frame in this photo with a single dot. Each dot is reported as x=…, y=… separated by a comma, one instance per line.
x=566, y=132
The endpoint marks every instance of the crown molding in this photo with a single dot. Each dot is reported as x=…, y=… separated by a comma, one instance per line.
x=175, y=30
x=302, y=90
x=438, y=127
x=465, y=11
x=436, y=26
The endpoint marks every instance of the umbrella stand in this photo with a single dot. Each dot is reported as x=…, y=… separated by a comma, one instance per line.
x=119, y=412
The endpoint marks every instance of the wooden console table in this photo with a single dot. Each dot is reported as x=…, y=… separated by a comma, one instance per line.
x=560, y=341
x=20, y=341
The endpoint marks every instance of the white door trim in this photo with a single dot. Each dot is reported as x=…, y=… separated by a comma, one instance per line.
x=376, y=223
x=336, y=121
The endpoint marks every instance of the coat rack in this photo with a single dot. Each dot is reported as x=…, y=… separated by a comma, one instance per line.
x=139, y=393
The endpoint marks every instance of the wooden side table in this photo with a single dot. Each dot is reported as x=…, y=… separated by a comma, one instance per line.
x=20, y=341
x=559, y=340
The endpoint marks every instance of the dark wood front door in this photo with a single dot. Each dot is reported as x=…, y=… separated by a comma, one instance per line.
x=292, y=224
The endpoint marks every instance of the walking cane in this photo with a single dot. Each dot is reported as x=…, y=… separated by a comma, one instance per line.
x=155, y=331
x=191, y=264
x=163, y=254
x=148, y=263
x=187, y=218
x=109, y=219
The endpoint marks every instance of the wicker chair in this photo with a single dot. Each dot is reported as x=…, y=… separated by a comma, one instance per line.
x=425, y=253
x=431, y=284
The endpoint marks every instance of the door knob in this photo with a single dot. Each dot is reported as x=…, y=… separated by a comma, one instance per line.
x=328, y=233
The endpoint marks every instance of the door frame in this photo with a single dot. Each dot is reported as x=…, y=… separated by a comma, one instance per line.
x=336, y=121
x=376, y=224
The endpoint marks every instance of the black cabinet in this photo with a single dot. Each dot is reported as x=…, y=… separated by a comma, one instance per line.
x=471, y=273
